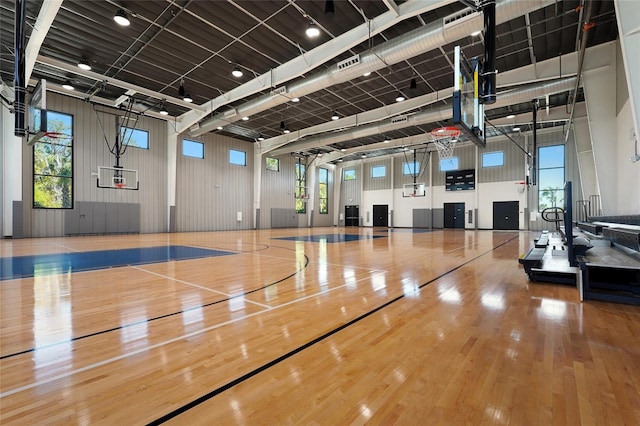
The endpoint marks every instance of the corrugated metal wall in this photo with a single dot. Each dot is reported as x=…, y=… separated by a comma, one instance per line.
x=370, y=183
x=351, y=192
x=514, y=160
x=89, y=152
x=211, y=193
x=466, y=160
x=424, y=158
x=278, y=189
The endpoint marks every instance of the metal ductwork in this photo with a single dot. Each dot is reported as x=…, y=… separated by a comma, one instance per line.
x=510, y=97
x=409, y=45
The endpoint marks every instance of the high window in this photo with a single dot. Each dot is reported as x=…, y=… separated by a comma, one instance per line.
x=550, y=176
x=53, y=165
x=237, y=157
x=134, y=137
x=349, y=174
x=411, y=168
x=323, y=191
x=378, y=171
x=449, y=164
x=273, y=164
x=301, y=188
x=193, y=149
x=493, y=159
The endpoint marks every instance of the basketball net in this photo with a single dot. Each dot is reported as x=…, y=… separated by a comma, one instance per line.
x=59, y=142
x=445, y=139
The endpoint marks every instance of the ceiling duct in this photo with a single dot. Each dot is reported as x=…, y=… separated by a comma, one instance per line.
x=406, y=46
x=521, y=94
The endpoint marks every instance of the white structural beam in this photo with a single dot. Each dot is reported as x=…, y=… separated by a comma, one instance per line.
x=118, y=83
x=314, y=58
x=596, y=57
x=392, y=6
x=47, y=14
x=628, y=17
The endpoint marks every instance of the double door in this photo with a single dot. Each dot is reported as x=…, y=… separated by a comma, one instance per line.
x=454, y=215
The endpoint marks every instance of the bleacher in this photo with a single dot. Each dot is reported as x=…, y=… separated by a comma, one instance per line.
x=600, y=256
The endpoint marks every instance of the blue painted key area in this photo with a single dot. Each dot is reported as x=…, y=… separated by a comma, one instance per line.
x=50, y=264
x=330, y=238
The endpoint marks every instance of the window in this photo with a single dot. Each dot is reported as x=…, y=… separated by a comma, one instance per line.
x=550, y=176
x=237, y=157
x=134, y=137
x=378, y=171
x=192, y=149
x=349, y=174
x=301, y=188
x=273, y=164
x=53, y=165
x=323, y=191
x=448, y=164
x=493, y=159
x=412, y=168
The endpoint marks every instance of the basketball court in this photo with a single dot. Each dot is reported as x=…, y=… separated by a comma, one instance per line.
x=297, y=326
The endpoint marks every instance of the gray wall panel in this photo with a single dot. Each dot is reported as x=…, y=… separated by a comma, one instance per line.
x=422, y=218
x=90, y=151
x=277, y=189
x=466, y=160
x=372, y=184
x=514, y=161
x=210, y=191
x=18, y=219
x=438, y=218
x=422, y=157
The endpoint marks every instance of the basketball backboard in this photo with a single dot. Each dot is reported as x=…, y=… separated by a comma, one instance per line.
x=37, y=107
x=468, y=112
x=118, y=178
x=413, y=190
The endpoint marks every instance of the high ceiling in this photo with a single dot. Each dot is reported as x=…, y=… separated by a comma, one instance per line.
x=200, y=42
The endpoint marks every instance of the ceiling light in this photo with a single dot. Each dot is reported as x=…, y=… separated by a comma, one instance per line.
x=67, y=85
x=340, y=160
x=121, y=18
x=441, y=130
x=286, y=130
x=312, y=30
x=335, y=116
x=84, y=64
x=237, y=72
x=260, y=137
x=187, y=98
x=245, y=118
x=364, y=155
x=516, y=129
x=366, y=74
x=219, y=127
x=163, y=110
x=476, y=33
x=295, y=100
x=342, y=150
x=511, y=116
x=400, y=97
x=386, y=140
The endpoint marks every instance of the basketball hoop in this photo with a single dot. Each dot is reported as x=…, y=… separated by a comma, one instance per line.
x=120, y=185
x=445, y=138
x=59, y=142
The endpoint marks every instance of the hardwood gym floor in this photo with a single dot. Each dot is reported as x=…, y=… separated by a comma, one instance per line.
x=244, y=327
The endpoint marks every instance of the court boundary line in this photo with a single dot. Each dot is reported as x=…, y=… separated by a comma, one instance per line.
x=167, y=342
x=133, y=324
x=173, y=414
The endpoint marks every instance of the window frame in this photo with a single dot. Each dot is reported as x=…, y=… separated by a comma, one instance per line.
x=244, y=157
x=300, y=185
x=407, y=167
x=345, y=177
x=492, y=153
x=379, y=166
x=277, y=163
x=457, y=164
x=70, y=177
x=323, y=208
x=541, y=170
x=133, y=131
x=191, y=141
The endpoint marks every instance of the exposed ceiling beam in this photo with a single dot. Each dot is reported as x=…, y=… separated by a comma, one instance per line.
x=115, y=82
x=313, y=58
x=47, y=14
x=392, y=6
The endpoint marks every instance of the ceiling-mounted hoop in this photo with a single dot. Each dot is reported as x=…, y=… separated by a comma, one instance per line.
x=445, y=139
x=59, y=141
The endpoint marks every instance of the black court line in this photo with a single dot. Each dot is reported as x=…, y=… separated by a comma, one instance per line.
x=299, y=349
x=133, y=324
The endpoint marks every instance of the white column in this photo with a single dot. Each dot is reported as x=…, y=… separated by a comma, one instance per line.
x=172, y=159
x=586, y=163
x=628, y=17
x=257, y=182
x=600, y=96
x=311, y=186
x=11, y=170
x=337, y=184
